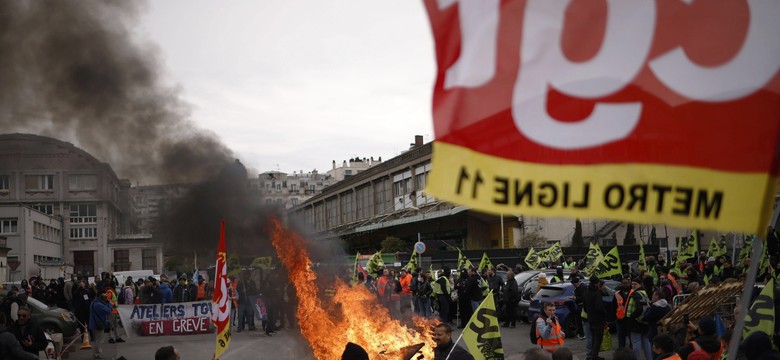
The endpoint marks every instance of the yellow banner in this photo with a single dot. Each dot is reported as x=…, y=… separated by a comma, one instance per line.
x=761, y=316
x=689, y=247
x=412, y=265
x=482, y=334
x=374, y=263
x=639, y=193
x=642, y=260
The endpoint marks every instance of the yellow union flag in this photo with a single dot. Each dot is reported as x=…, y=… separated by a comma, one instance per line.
x=484, y=263
x=482, y=334
x=463, y=261
x=593, y=257
x=642, y=261
x=374, y=263
x=761, y=316
x=532, y=259
x=412, y=265
x=609, y=265
x=553, y=253
x=689, y=247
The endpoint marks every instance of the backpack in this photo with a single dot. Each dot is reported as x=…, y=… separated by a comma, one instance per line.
x=121, y=296
x=699, y=353
x=532, y=335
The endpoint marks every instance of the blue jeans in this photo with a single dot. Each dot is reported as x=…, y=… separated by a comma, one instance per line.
x=425, y=307
x=641, y=345
x=475, y=304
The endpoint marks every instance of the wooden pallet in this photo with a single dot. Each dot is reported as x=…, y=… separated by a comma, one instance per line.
x=713, y=299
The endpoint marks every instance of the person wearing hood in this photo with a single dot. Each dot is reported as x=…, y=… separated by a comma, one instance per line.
x=706, y=339
x=166, y=292
x=657, y=310
x=758, y=346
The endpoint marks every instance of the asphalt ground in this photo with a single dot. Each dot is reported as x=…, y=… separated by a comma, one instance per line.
x=286, y=344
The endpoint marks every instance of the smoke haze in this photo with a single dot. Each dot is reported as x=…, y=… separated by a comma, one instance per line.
x=72, y=70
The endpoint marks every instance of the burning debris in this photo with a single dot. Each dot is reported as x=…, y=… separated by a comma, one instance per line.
x=353, y=315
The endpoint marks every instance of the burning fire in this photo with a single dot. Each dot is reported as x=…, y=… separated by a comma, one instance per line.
x=355, y=315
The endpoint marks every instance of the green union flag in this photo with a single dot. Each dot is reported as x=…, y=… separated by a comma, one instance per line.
x=761, y=316
x=412, y=265
x=375, y=263
x=593, y=257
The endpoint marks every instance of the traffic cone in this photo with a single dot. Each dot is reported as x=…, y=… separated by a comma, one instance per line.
x=85, y=341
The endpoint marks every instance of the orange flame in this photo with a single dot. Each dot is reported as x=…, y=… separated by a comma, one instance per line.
x=355, y=315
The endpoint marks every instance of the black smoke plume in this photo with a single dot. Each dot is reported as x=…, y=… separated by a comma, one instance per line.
x=74, y=71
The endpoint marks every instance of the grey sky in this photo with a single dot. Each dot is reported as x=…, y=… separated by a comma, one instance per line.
x=300, y=83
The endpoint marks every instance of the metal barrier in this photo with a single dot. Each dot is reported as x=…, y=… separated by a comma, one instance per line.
x=678, y=299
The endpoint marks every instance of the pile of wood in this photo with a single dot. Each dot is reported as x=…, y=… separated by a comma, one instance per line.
x=714, y=299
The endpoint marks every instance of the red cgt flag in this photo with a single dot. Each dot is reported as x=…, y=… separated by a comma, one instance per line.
x=635, y=110
x=221, y=305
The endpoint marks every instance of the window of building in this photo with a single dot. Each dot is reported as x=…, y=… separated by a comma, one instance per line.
x=8, y=226
x=5, y=183
x=149, y=261
x=121, y=260
x=47, y=209
x=39, y=182
x=294, y=201
x=269, y=201
x=347, y=172
x=83, y=213
x=293, y=187
x=278, y=201
x=82, y=182
x=312, y=189
x=83, y=233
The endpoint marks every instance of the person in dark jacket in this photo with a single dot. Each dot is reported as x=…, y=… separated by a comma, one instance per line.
x=473, y=289
x=9, y=346
x=445, y=348
x=597, y=313
x=424, y=291
x=464, y=304
x=31, y=337
x=40, y=293
x=579, y=301
x=154, y=293
x=511, y=296
x=706, y=338
x=657, y=310
x=181, y=293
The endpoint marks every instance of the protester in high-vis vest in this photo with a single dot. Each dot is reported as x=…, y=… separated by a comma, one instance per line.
x=113, y=334
x=635, y=306
x=620, y=300
x=549, y=334
x=442, y=288
x=569, y=263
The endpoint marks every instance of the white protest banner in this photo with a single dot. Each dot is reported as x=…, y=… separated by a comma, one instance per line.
x=166, y=319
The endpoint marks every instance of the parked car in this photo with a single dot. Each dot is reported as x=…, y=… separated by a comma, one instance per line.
x=562, y=295
x=50, y=319
x=528, y=288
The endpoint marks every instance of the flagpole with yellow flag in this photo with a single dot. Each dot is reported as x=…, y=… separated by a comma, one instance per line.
x=221, y=305
x=482, y=334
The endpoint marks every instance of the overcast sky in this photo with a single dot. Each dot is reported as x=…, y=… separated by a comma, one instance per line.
x=297, y=84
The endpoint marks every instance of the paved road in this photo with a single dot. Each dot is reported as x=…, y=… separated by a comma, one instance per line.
x=287, y=344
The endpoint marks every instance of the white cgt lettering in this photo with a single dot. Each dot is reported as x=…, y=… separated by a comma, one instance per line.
x=476, y=64
x=755, y=64
x=627, y=40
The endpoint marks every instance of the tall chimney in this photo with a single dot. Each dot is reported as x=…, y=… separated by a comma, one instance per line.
x=418, y=140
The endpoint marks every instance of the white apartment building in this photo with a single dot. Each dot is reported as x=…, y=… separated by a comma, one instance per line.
x=285, y=190
x=34, y=239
